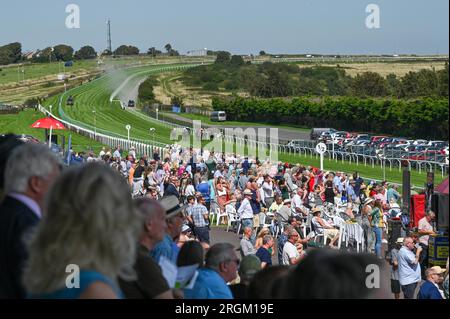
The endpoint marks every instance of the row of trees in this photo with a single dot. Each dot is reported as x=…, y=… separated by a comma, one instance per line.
x=281, y=80
x=63, y=52
x=424, y=118
x=12, y=53
x=132, y=50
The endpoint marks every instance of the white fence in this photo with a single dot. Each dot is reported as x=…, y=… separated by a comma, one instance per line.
x=142, y=147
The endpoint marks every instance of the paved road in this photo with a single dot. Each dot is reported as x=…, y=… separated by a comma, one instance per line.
x=130, y=92
x=284, y=134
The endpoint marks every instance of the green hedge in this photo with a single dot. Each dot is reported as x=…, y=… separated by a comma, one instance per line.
x=421, y=118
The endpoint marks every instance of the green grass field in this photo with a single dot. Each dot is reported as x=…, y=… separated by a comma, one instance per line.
x=38, y=70
x=110, y=117
x=20, y=124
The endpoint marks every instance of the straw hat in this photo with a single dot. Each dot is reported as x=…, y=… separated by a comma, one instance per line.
x=438, y=269
x=171, y=205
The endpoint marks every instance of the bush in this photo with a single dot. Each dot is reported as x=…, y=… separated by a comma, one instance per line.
x=210, y=86
x=145, y=92
x=231, y=85
x=280, y=80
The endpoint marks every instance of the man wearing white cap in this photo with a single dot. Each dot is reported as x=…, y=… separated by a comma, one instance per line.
x=245, y=211
x=430, y=288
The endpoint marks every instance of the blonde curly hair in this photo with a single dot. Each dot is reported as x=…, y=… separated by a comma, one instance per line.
x=89, y=220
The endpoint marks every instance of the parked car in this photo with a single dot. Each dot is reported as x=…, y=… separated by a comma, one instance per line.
x=317, y=133
x=420, y=142
x=342, y=134
x=131, y=103
x=400, y=140
x=385, y=141
x=440, y=144
x=377, y=138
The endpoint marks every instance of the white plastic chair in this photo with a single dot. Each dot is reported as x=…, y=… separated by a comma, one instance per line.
x=317, y=236
x=345, y=236
x=232, y=216
x=219, y=215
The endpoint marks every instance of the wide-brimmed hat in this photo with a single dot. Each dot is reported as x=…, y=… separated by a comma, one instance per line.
x=248, y=192
x=316, y=209
x=287, y=201
x=185, y=228
x=171, y=205
x=368, y=201
x=438, y=269
x=400, y=240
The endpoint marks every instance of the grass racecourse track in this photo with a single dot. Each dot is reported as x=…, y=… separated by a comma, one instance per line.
x=111, y=117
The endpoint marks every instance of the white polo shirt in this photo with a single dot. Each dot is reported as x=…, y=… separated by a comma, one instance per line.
x=289, y=251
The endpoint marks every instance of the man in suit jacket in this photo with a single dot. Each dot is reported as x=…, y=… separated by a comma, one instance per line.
x=30, y=171
x=172, y=187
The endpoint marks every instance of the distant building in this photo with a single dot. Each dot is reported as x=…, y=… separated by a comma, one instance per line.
x=29, y=55
x=199, y=52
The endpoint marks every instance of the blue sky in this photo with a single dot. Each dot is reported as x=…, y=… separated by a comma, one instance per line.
x=239, y=26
